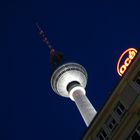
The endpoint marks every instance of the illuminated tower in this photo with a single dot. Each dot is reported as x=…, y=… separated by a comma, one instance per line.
x=69, y=79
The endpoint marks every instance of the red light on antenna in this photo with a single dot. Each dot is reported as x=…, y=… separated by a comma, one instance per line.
x=130, y=53
x=52, y=51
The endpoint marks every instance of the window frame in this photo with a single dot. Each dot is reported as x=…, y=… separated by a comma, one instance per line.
x=100, y=133
x=135, y=131
x=137, y=78
x=110, y=122
x=120, y=107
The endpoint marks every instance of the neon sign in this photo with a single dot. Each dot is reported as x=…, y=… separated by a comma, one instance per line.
x=130, y=54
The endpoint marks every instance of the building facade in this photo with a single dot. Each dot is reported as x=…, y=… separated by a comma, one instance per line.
x=119, y=119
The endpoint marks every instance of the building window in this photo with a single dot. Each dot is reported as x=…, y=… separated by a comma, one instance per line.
x=111, y=123
x=136, y=134
x=137, y=79
x=120, y=110
x=102, y=135
x=138, y=129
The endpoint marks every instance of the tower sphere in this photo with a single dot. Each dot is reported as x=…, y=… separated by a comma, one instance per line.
x=65, y=75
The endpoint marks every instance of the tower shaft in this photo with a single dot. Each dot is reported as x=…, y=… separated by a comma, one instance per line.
x=86, y=109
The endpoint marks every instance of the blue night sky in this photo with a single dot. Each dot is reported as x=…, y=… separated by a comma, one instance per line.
x=89, y=32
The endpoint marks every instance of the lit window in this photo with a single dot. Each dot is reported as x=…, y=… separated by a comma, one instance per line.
x=102, y=135
x=111, y=123
x=120, y=110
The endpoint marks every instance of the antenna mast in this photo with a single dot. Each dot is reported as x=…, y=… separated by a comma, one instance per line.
x=56, y=58
x=44, y=37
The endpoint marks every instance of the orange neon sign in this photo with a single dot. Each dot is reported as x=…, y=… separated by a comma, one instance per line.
x=130, y=53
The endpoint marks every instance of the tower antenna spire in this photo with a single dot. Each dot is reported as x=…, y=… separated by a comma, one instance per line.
x=44, y=37
x=55, y=57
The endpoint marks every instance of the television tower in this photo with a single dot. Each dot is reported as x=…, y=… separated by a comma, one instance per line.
x=69, y=80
